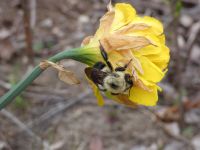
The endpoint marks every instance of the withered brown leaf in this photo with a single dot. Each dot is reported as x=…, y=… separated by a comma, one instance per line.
x=123, y=42
x=132, y=28
x=63, y=74
x=68, y=77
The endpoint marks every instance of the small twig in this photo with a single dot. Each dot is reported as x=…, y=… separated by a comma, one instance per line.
x=38, y=92
x=5, y=85
x=23, y=127
x=27, y=29
x=194, y=31
x=33, y=13
x=58, y=109
x=31, y=93
x=182, y=63
x=62, y=10
x=43, y=97
x=176, y=14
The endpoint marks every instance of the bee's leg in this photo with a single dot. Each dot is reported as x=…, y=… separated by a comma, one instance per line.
x=123, y=68
x=103, y=52
x=115, y=93
x=134, y=75
x=99, y=65
x=128, y=63
x=128, y=79
x=105, y=56
x=109, y=66
x=129, y=92
x=120, y=69
x=101, y=88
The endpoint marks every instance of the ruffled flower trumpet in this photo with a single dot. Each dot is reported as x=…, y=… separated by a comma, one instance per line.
x=126, y=36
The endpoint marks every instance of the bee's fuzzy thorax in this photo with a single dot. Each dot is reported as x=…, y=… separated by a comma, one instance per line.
x=115, y=82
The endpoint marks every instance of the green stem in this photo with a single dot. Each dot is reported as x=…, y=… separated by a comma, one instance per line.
x=83, y=55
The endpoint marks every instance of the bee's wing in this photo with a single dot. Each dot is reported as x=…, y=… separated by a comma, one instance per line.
x=88, y=72
x=95, y=75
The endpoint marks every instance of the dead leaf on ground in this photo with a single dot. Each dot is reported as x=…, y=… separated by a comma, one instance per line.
x=172, y=113
x=96, y=143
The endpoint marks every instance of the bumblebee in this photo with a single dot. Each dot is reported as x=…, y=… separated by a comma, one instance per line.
x=110, y=79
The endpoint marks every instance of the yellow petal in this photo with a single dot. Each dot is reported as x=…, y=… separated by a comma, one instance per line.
x=105, y=24
x=146, y=85
x=155, y=25
x=114, y=57
x=152, y=38
x=124, y=14
x=103, y=30
x=164, y=54
x=86, y=40
x=161, y=59
x=122, y=99
x=162, y=38
x=135, y=62
x=97, y=93
x=158, y=55
x=142, y=97
x=151, y=72
x=99, y=97
x=148, y=50
x=139, y=83
x=120, y=42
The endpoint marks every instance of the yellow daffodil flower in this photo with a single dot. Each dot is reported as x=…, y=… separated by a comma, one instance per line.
x=126, y=40
x=126, y=36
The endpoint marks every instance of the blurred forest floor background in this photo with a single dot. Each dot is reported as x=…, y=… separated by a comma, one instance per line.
x=51, y=115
